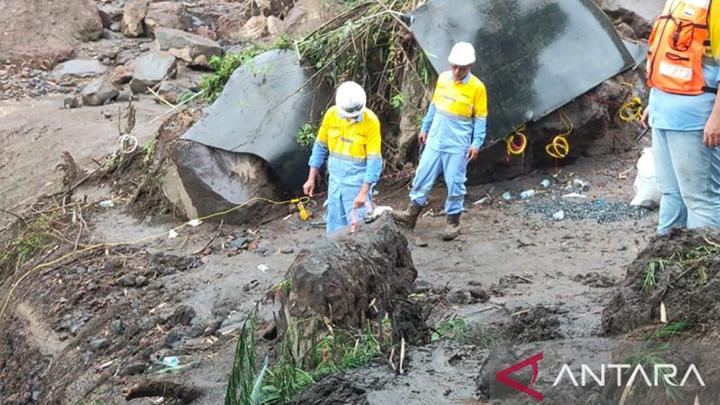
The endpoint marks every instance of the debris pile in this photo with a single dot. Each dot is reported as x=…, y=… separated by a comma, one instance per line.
x=676, y=278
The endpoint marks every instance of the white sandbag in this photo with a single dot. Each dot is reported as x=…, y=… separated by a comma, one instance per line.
x=647, y=193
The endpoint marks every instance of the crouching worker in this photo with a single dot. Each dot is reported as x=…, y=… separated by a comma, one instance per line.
x=350, y=135
x=453, y=131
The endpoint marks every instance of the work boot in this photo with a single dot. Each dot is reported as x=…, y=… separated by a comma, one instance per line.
x=408, y=218
x=452, y=229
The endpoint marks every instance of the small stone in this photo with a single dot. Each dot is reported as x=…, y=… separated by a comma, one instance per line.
x=127, y=280
x=183, y=315
x=99, y=92
x=117, y=326
x=133, y=18
x=92, y=286
x=173, y=340
x=133, y=369
x=196, y=331
x=287, y=251
x=99, y=344
x=458, y=296
x=141, y=281
x=212, y=328
x=71, y=102
x=479, y=294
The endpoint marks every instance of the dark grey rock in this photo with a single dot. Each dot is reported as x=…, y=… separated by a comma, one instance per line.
x=99, y=92
x=99, y=344
x=133, y=369
x=117, y=326
x=150, y=69
x=173, y=340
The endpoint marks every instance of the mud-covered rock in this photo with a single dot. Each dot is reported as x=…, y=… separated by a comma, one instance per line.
x=681, y=271
x=351, y=279
x=539, y=323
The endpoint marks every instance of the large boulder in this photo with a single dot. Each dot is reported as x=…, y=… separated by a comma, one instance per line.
x=150, y=69
x=178, y=42
x=133, y=20
x=43, y=31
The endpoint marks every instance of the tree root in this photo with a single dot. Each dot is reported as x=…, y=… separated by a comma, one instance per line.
x=168, y=389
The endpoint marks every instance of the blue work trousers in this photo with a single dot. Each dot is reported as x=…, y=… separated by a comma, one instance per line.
x=453, y=166
x=688, y=175
x=339, y=212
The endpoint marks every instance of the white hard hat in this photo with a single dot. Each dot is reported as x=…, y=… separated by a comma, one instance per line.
x=350, y=99
x=462, y=54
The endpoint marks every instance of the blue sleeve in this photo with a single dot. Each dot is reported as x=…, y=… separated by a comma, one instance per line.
x=319, y=153
x=373, y=170
x=428, y=120
x=479, y=132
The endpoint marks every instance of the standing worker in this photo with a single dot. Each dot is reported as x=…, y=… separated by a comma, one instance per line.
x=684, y=113
x=453, y=132
x=350, y=134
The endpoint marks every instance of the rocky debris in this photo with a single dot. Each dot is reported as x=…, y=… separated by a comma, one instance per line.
x=46, y=32
x=479, y=294
x=18, y=81
x=99, y=92
x=150, y=69
x=255, y=28
x=306, y=15
x=207, y=32
x=458, y=296
x=133, y=18
x=680, y=271
x=173, y=340
x=110, y=14
x=186, y=46
x=229, y=26
x=78, y=68
x=168, y=14
x=121, y=75
x=598, y=210
x=170, y=91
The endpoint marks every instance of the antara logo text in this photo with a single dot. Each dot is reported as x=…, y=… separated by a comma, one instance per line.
x=652, y=376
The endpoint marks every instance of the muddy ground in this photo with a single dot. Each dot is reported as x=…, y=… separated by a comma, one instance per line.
x=97, y=324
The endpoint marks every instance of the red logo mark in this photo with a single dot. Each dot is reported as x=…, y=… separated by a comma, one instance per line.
x=503, y=376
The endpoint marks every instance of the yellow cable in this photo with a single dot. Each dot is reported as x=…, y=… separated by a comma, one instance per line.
x=512, y=148
x=559, y=148
x=145, y=239
x=631, y=110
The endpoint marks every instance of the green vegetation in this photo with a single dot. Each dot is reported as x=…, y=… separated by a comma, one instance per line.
x=458, y=329
x=306, y=135
x=330, y=351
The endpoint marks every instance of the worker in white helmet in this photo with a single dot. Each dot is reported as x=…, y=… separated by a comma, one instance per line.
x=453, y=131
x=350, y=135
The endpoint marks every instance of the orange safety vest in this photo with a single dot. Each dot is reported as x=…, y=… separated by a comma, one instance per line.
x=679, y=41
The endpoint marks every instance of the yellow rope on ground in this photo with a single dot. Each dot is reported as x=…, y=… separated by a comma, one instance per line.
x=193, y=222
x=559, y=148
